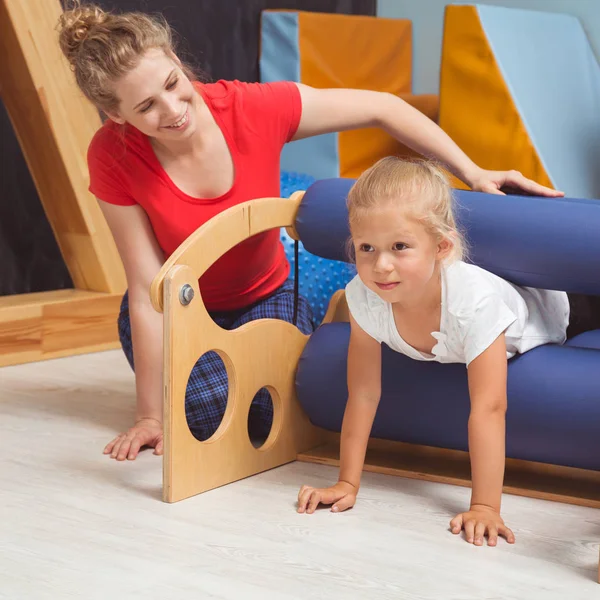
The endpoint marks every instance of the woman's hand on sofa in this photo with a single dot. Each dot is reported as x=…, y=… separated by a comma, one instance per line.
x=479, y=521
x=508, y=182
x=342, y=495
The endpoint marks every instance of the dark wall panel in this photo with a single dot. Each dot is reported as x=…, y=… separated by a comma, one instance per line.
x=30, y=260
x=219, y=37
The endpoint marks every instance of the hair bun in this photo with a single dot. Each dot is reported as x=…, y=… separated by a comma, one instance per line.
x=75, y=26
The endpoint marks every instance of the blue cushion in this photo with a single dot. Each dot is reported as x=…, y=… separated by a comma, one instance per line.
x=550, y=243
x=553, y=402
x=319, y=277
x=588, y=339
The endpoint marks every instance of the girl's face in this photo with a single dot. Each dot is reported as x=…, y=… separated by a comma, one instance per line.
x=396, y=256
x=157, y=98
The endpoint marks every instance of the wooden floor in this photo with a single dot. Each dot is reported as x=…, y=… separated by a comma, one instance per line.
x=74, y=524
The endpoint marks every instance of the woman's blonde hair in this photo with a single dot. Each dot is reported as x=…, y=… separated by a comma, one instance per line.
x=101, y=47
x=418, y=186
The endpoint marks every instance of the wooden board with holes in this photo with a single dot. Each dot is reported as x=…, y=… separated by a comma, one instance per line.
x=260, y=354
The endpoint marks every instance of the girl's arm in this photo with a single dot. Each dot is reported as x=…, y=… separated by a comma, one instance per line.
x=364, y=391
x=331, y=110
x=487, y=376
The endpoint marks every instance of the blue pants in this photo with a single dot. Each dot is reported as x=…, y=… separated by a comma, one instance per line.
x=207, y=388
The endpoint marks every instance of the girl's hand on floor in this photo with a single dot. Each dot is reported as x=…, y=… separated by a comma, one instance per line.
x=478, y=522
x=342, y=495
x=146, y=432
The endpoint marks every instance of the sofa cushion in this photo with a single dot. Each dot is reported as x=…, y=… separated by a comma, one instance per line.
x=553, y=399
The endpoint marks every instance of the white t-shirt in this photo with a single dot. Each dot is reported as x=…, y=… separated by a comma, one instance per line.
x=477, y=306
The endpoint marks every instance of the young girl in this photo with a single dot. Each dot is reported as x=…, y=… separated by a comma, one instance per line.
x=414, y=292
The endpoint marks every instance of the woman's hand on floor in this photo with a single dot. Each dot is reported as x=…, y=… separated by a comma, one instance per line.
x=146, y=432
x=478, y=522
x=342, y=495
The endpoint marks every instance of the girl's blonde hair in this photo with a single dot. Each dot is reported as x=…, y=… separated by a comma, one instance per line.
x=420, y=187
x=102, y=47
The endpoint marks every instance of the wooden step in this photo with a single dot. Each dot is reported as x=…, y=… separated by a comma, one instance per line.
x=522, y=478
x=59, y=323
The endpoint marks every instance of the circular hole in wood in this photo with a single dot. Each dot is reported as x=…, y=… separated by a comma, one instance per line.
x=260, y=417
x=206, y=396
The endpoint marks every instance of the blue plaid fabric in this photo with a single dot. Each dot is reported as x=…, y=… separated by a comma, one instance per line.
x=207, y=389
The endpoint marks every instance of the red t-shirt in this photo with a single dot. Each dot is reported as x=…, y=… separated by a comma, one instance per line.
x=257, y=119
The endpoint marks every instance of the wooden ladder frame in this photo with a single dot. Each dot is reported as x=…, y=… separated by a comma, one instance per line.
x=54, y=124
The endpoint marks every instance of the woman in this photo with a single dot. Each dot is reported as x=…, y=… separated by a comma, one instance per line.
x=175, y=152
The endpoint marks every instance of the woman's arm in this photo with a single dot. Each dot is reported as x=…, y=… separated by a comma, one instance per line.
x=487, y=376
x=364, y=391
x=142, y=259
x=330, y=110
